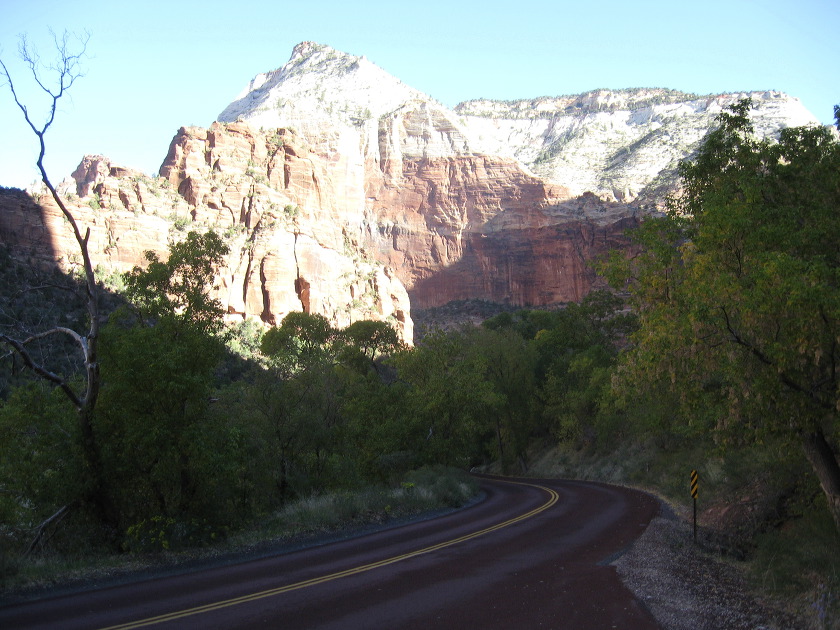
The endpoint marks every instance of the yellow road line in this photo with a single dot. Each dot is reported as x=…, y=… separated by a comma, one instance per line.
x=553, y=497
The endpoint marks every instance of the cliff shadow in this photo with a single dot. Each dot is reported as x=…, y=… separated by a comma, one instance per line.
x=527, y=267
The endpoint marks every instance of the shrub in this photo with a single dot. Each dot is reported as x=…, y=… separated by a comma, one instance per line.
x=161, y=533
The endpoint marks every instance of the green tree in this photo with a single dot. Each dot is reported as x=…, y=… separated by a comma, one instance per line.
x=40, y=463
x=299, y=398
x=179, y=288
x=365, y=341
x=738, y=290
x=448, y=401
x=509, y=363
x=302, y=341
x=159, y=444
x=574, y=350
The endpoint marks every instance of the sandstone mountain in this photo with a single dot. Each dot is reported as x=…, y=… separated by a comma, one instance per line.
x=345, y=192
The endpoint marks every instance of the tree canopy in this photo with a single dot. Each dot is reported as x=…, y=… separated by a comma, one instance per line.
x=738, y=290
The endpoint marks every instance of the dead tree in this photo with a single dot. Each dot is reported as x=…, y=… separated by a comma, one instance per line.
x=55, y=80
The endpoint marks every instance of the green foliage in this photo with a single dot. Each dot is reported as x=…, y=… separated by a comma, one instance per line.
x=40, y=457
x=298, y=403
x=244, y=339
x=179, y=287
x=152, y=416
x=509, y=365
x=738, y=295
x=301, y=341
x=160, y=533
x=449, y=401
x=366, y=341
x=574, y=352
x=164, y=453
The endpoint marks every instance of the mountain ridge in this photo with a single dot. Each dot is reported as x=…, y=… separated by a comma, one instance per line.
x=613, y=143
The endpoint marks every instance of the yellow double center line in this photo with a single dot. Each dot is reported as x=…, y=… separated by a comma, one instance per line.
x=552, y=499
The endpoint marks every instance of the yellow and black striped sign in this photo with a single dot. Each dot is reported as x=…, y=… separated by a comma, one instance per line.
x=695, y=478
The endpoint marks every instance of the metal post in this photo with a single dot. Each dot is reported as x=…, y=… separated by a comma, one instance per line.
x=695, y=479
x=695, y=521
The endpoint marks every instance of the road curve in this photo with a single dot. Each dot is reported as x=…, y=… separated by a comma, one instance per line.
x=532, y=554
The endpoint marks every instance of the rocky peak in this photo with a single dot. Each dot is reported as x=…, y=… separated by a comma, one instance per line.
x=305, y=50
x=586, y=103
x=93, y=170
x=621, y=145
x=344, y=104
x=320, y=82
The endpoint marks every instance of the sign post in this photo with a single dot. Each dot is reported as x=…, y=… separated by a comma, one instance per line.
x=695, y=478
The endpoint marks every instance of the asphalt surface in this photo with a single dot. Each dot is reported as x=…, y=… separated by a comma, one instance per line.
x=533, y=554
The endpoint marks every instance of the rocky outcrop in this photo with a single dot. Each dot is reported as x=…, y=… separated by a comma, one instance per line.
x=621, y=145
x=481, y=227
x=280, y=213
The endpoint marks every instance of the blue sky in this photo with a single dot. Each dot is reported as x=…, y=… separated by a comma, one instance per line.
x=155, y=66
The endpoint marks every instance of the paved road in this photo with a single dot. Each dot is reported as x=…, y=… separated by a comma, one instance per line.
x=531, y=555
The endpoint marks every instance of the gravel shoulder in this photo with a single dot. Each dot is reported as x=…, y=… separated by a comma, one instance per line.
x=686, y=588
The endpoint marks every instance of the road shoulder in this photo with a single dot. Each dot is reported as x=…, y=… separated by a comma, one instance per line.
x=687, y=589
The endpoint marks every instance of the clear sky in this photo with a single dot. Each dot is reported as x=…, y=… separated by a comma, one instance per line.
x=154, y=66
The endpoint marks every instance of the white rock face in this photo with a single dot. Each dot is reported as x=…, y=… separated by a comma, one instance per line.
x=623, y=146
x=346, y=104
x=614, y=144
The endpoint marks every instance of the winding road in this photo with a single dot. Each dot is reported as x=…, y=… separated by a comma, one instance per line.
x=532, y=554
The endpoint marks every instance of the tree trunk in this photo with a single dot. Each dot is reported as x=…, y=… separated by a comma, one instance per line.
x=96, y=494
x=501, y=447
x=824, y=462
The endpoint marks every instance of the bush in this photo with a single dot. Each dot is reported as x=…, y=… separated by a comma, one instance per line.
x=161, y=533
x=449, y=487
x=424, y=489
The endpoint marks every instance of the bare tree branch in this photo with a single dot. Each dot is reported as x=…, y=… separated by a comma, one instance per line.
x=40, y=370
x=55, y=519
x=66, y=70
x=64, y=73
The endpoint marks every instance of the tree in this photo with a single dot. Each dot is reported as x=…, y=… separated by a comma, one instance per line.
x=54, y=81
x=178, y=288
x=449, y=402
x=299, y=399
x=366, y=341
x=509, y=363
x=162, y=450
x=301, y=341
x=738, y=290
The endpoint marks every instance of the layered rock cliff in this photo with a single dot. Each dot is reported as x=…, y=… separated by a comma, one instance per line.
x=286, y=253
x=347, y=193
x=504, y=201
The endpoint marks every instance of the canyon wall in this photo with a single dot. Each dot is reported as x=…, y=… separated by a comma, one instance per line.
x=344, y=192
